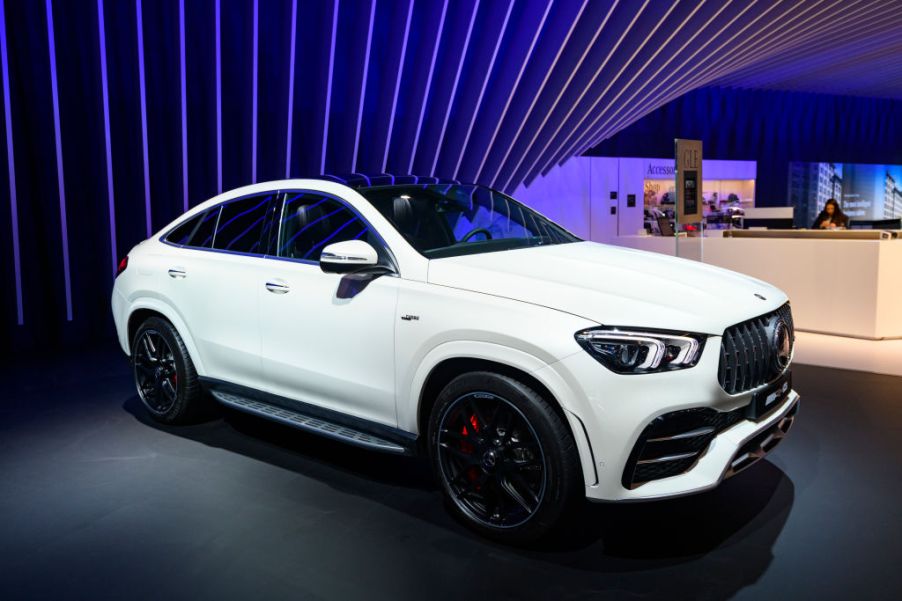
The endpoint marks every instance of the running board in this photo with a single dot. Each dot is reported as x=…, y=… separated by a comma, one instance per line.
x=309, y=423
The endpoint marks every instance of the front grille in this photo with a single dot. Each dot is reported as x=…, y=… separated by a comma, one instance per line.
x=673, y=442
x=748, y=356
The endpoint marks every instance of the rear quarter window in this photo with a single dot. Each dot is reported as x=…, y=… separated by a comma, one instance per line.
x=197, y=232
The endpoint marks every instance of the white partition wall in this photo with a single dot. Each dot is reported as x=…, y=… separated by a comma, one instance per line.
x=631, y=175
x=604, y=182
x=563, y=195
x=577, y=195
x=591, y=196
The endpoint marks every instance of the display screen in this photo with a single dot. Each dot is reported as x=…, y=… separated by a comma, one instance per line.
x=865, y=192
x=691, y=192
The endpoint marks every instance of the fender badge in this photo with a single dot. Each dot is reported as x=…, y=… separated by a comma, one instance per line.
x=410, y=317
x=760, y=296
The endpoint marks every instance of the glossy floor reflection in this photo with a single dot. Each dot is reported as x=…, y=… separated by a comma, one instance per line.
x=99, y=502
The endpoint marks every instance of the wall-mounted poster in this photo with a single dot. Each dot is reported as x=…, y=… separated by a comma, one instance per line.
x=688, y=179
x=865, y=192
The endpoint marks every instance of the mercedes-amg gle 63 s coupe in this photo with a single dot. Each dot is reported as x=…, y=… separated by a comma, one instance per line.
x=416, y=315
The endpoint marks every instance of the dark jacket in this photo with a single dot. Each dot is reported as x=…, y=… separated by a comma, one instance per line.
x=839, y=219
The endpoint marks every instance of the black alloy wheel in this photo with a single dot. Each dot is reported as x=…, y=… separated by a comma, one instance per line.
x=504, y=457
x=492, y=460
x=155, y=372
x=165, y=377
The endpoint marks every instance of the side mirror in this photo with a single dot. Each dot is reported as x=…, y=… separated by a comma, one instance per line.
x=347, y=256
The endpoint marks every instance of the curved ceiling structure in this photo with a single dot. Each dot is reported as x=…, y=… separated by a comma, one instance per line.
x=499, y=92
x=118, y=116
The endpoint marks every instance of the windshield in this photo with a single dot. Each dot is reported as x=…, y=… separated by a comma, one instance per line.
x=447, y=220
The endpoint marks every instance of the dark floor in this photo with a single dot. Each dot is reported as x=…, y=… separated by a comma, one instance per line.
x=98, y=502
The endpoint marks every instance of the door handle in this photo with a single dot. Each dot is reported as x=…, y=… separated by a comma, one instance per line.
x=278, y=287
x=178, y=273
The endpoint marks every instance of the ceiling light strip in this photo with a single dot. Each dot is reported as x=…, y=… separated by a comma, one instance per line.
x=460, y=65
x=11, y=166
x=394, y=101
x=673, y=56
x=256, y=61
x=183, y=90
x=290, y=117
x=328, y=109
x=424, y=102
x=564, y=88
x=142, y=91
x=538, y=94
x=612, y=81
x=60, y=179
x=697, y=75
x=218, y=35
x=485, y=82
x=108, y=155
x=366, y=67
x=514, y=89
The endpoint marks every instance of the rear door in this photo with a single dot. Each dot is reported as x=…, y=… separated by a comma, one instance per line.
x=213, y=280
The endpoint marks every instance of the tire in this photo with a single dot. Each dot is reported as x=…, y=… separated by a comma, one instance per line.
x=165, y=377
x=505, y=460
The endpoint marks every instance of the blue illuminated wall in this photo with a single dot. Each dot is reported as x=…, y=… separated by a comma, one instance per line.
x=119, y=114
x=770, y=127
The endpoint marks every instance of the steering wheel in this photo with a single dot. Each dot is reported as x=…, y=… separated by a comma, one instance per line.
x=478, y=230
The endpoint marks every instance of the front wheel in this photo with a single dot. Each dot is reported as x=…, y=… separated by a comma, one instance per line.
x=505, y=459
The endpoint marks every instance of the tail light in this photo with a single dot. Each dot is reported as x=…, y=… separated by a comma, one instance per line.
x=122, y=265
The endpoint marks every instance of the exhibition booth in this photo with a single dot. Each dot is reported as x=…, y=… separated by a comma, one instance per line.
x=844, y=284
x=388, y=300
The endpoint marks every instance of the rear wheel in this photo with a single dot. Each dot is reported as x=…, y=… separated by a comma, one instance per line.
x=165, y=377
x=505, y=459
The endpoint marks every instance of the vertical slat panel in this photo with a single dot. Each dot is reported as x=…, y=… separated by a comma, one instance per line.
x=11, y=171
x=58, y=145
x=237, y=63
x=147, y=108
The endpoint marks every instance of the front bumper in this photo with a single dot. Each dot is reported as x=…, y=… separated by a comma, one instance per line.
x=615, y=410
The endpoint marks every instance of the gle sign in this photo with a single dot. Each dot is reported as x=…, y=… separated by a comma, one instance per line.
x=688, y=180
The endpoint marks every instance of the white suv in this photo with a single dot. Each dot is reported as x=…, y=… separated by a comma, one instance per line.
x=407, y=315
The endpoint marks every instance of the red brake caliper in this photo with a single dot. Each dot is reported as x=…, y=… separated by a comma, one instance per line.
x=466, y=447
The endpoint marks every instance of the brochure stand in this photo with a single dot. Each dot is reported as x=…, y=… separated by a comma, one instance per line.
x=689, y=200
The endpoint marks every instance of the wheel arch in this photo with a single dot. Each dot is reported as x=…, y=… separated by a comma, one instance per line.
x=435, y=375
x=143, y=310
x=450, y=368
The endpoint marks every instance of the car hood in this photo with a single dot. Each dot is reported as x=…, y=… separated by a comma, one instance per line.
x=614, y=286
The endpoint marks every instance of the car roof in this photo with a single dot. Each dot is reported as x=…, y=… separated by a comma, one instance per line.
x=356, y=181
x=361, y=181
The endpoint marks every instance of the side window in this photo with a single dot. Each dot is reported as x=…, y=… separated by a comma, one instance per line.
x=182, y=233
x=203, y=235
x=241, y=223
x=310, y=222
x=196, y=232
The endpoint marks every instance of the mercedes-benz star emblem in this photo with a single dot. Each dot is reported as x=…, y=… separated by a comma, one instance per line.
x=782, y=344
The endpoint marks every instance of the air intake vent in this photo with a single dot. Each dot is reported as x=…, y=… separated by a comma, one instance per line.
x=754, y=352
x=672, y=443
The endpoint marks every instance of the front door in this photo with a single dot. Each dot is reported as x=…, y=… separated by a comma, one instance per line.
x=336, y=353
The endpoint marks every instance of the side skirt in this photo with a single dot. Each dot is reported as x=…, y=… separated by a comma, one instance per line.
x=310, y=418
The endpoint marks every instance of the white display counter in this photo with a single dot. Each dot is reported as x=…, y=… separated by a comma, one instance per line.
x=837, y=285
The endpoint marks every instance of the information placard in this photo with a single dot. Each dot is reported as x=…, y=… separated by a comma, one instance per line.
x=688, y=154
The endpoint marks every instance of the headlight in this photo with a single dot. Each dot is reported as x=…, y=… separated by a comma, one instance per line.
x=640, y=352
